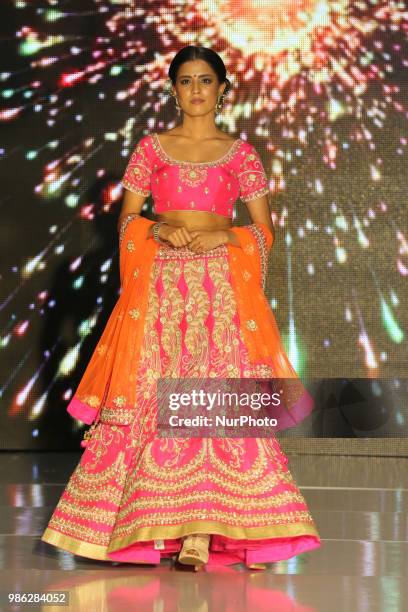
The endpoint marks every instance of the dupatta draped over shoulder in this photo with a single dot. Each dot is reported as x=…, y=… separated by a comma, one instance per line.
x=110, y=380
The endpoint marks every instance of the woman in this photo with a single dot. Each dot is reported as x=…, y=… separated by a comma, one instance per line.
x=192, y=305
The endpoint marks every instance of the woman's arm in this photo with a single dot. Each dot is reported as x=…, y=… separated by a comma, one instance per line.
x=260, y=213
x=132, y=206
x=132, y=203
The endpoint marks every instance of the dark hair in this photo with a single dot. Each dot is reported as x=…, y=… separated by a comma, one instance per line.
x=212, y=58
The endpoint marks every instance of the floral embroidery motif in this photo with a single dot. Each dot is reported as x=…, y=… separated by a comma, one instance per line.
x=192, y=176
x=251, y=325
x=138, y=171
x=125, y=222
x=253, y=181
x=136, y=272
x=130, y=245
x=134, y=313
x=91, y=400
x=263, y=250
x=120, y=400
x=117, y=417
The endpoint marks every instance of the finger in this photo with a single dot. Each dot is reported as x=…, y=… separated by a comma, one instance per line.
x=188, y=234
x=183, y=236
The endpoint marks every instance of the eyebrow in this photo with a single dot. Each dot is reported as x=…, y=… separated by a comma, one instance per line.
x=200, y=75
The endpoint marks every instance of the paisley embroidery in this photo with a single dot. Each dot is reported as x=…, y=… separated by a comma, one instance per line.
x=252, y=178
x=192, y=176
x=138, y=171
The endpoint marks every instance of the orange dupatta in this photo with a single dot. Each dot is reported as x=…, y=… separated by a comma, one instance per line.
x=109, y=380
x=248, y=265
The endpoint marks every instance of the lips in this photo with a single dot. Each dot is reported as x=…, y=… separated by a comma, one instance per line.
x=197, y=101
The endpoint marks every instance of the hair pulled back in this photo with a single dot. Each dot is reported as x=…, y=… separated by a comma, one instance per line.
x=189, y=53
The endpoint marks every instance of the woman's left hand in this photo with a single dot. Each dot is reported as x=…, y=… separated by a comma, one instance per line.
x=204, y=240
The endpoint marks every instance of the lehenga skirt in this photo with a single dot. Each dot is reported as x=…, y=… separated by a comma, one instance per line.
x=133, y=495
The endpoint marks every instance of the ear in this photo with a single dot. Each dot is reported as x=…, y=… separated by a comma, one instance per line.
x=221, y=89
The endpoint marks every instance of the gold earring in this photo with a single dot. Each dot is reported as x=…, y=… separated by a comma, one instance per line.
x=219, y=104
x=168, y=89
x=178, y=107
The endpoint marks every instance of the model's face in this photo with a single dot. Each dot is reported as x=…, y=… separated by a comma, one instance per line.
x=197, y=79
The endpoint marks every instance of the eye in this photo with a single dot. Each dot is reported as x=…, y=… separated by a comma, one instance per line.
x=207, y=79
x=184, y=81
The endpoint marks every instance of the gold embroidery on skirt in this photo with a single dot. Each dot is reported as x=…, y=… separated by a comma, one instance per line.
x=94, y=513
x=198, y=307
x=174, y=447
x=215, y=497
x=150, y=349
x=80, y=531
x=224, y=331
x=229, y=517
x=171, y=313
x=162, y=486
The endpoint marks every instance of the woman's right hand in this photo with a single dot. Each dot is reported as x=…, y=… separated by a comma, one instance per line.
x=176, y=236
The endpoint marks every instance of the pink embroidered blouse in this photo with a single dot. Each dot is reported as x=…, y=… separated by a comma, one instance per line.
x=202, y=186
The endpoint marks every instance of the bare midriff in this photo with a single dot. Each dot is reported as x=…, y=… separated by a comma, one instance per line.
x=195, y=220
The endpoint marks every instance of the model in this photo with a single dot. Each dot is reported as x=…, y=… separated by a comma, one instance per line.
x=192, y=304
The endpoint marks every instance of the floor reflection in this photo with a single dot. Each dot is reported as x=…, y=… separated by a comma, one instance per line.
x=225, y=589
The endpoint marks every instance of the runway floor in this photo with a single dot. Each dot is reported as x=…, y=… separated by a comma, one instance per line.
x=359, y=504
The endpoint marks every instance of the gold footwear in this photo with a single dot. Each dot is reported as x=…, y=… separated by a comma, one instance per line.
x=195, y=549
x=258, y=566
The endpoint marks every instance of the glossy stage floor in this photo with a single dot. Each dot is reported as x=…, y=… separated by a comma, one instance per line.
x=359, y=504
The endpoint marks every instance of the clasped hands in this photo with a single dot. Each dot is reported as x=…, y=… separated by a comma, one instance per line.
x=196, y=240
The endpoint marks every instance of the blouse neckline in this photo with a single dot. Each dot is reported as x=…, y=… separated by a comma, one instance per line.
x=165, y=157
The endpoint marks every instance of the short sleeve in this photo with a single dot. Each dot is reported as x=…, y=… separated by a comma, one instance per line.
x=253, y=182
x=138, y=171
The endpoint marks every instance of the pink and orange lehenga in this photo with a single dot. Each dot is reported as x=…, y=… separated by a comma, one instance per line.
x=133, y=496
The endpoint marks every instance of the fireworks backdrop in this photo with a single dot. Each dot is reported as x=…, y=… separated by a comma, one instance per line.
x=319, y=87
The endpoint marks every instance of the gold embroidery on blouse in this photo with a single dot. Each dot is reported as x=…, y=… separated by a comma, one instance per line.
x=128, y=185
x=165, y=157
x=192, y=176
